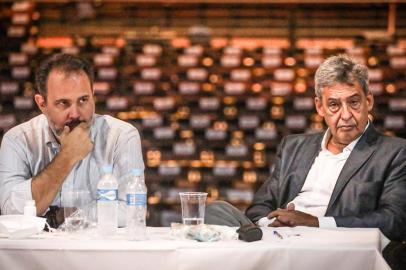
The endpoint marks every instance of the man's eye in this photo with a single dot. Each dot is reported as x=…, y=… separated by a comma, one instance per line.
x=333, y=106
x=355, y=104
x=63, y=104
x=83, y=100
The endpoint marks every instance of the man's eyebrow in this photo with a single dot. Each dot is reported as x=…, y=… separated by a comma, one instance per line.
x=355, y=95
x=333, y=99
x=352, y=96
x=61, y=100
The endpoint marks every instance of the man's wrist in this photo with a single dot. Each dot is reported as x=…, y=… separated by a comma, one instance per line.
x=67, y=157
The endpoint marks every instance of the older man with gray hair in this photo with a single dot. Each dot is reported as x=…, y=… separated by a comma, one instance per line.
x=348, y=176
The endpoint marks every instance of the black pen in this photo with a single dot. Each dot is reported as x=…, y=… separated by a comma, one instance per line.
x=277, y=234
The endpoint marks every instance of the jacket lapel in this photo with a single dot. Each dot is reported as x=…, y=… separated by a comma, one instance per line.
x=306, y=161
x=359, y=155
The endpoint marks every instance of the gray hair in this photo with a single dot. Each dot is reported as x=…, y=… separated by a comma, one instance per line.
x=340, y=69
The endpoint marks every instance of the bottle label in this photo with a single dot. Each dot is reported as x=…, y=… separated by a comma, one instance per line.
x=107, y=194
x=137, y=199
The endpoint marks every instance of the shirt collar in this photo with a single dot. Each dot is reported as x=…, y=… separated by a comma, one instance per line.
x=50, y=138
x=349, y=147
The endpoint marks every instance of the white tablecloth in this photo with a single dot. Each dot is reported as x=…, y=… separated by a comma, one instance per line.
x=300, y=248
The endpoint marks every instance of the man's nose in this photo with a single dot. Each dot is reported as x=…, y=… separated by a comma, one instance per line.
x=74, y=112
x=346, y=113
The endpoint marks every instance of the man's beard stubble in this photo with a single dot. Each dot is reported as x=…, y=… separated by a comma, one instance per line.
x=71, y=124
x=74, y=123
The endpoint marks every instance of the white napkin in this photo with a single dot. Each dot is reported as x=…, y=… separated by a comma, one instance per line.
x=20, y=226
x=203, y=232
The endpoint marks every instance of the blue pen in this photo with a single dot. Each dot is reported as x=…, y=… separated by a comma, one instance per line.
x=277, y=234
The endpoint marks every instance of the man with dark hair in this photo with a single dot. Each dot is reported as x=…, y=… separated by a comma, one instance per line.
x=349, y=176
x=66, y=146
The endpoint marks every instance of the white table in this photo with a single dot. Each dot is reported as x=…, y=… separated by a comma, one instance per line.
x=301, y=248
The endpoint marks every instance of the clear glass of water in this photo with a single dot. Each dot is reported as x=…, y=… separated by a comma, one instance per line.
x=74, y=202
x=193, y=207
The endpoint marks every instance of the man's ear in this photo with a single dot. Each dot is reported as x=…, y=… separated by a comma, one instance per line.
x=41, y=102
x=318, y=102
x=370, y=101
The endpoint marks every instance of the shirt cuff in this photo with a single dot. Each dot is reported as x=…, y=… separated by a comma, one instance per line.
x=327, y=222
x=265, y=221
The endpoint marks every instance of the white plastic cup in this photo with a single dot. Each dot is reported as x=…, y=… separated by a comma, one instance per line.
x=30, y=209
x=193, y=206
x=72, y=201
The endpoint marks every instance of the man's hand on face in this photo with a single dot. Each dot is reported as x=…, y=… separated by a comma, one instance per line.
x=290, y=218
x=76, y=142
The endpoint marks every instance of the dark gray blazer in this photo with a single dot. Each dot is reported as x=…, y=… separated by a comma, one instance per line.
x=370, y=191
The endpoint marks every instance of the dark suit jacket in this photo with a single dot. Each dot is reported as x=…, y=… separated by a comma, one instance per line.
x=370, y=191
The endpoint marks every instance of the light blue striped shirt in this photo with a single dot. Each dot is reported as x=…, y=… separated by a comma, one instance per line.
x=28, y=148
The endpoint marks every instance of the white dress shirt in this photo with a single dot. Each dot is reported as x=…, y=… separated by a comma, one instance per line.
x=319, y=184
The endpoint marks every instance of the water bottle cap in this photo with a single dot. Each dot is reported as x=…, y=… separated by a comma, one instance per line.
x=108, y=169
x=137, y=172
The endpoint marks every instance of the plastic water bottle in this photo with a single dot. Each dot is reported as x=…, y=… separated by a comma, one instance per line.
x=136, y=206
x=107, y=203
